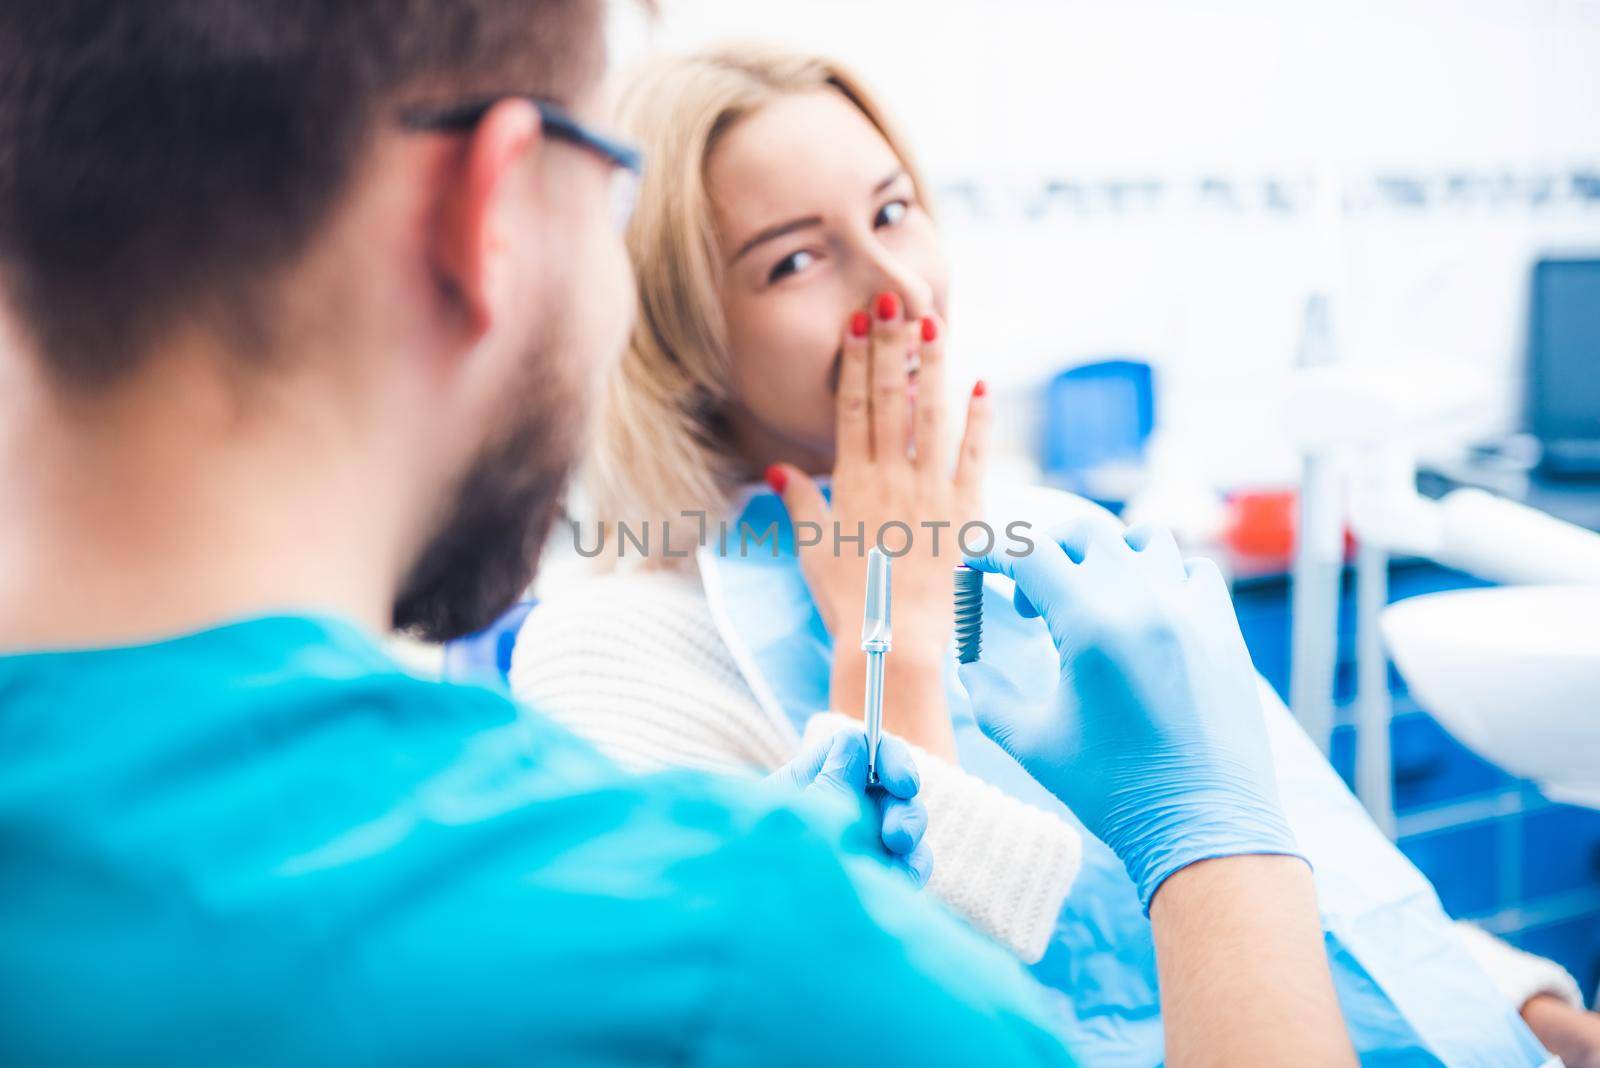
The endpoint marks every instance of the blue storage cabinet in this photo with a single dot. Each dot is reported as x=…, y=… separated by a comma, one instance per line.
x=1498, y=852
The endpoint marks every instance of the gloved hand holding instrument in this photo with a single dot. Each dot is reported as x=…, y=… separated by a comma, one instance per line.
x=832, y=773
x=1154, y=736
x=851, y=765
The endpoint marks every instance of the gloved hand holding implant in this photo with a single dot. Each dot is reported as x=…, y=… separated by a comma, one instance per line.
x=1154, y=736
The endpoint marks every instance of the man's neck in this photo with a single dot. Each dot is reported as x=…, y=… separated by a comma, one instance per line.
x=130, y=518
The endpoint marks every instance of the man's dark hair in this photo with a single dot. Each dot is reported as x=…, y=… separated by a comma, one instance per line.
x=161, y=160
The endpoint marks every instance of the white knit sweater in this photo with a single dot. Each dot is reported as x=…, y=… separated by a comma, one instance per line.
x=634, y=663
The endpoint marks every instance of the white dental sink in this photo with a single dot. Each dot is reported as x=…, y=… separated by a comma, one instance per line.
x=1514, y=674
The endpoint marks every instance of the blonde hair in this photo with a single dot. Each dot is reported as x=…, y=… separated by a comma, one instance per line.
x=662, y=445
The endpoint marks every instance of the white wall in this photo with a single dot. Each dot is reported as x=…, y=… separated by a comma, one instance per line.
x=1154, y=112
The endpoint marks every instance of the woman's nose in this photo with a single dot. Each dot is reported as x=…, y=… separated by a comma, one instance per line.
x=892, y=274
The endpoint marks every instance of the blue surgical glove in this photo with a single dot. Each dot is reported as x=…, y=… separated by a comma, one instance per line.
x=832, y=774
x=1154, y=736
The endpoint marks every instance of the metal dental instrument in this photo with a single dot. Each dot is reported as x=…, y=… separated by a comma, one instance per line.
x=875, y=643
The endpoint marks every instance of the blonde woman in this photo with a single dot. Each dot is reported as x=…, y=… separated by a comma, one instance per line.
x=635, y=661
x=791, y=330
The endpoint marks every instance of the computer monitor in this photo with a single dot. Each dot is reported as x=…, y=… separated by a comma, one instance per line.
x=1563, y=402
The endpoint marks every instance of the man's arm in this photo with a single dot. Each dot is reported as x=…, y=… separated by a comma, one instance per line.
x=1228, y=934
x=1154, y=737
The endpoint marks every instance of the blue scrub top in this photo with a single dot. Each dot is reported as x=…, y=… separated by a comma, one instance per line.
x=265, y=843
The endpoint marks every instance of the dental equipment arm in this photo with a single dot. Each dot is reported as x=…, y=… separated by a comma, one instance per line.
x=1154, y=738
x=1499, y=540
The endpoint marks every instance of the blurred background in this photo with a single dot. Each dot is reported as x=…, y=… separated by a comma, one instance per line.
x=1172, y=181
x=1318, y=285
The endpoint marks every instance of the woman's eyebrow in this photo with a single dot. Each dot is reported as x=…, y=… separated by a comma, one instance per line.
x=894, y=176
x=777, y=231
x=807, y=221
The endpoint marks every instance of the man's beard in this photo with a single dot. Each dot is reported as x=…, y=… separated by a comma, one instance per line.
x=487, y=547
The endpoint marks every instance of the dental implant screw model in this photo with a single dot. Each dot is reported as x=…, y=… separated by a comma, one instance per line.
x=969, y=613
x=875, y=637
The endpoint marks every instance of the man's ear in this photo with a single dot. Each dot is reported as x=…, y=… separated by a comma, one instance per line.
x=469, y=234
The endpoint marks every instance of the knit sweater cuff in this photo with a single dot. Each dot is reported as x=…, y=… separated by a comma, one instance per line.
x=1520, y=976
x=1003, y=864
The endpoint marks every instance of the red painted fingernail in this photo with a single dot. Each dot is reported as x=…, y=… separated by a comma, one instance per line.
x=979, y=389
x=777, y=478
x=930, y=330
x=859, y=324
x=888, y=306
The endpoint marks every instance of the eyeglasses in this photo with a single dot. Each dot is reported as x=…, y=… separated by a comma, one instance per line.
x=627, y=161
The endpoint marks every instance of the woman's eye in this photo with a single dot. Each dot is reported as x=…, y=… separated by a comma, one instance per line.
x=891, y=213
x=791, y=263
